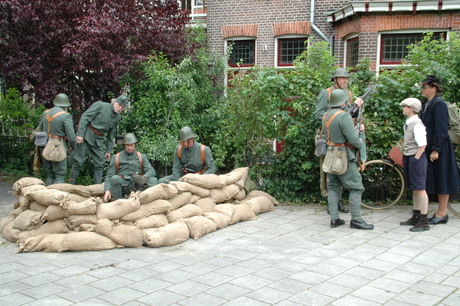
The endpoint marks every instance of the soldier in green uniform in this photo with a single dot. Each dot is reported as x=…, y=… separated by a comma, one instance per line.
x=343, y=133
x=190, y=157
x=95, y=135
x=59, y=124
x=128, y=170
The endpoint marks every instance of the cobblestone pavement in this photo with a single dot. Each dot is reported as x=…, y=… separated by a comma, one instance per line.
x=289, y=256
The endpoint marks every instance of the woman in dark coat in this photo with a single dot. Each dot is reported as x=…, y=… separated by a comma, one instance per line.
x=442, y=174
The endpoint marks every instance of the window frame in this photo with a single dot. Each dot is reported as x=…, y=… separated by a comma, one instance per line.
x=349, y=40
x=241, y=39
x=279, y=39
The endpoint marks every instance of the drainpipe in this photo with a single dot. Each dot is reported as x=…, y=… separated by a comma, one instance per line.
x=312, y=20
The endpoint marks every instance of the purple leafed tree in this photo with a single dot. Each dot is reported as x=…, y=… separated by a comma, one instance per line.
x=83, y=47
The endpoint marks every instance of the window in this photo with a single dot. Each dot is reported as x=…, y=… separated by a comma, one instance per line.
x=352, y=52
x=243, y=53
x=187, y=4
x=289, y=49
x=394, y=46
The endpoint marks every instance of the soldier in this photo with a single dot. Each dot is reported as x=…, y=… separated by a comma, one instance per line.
x=343, y=133
x=59, y=124
x=190, y=157
x=95, y=135
x=128, y=170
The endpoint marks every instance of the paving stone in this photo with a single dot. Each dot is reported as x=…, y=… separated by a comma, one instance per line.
x=121, y=296
x=228, y=291
x=80, y=294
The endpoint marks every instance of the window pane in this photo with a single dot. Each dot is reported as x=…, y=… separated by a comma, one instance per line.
x=289, y=49
x=243, y=53
x=352, y=52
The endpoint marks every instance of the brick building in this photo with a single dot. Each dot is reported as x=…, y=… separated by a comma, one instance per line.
x=273, y=32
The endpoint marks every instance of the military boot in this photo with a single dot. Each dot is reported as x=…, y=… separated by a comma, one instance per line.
x=412, y=220
x=421, y=224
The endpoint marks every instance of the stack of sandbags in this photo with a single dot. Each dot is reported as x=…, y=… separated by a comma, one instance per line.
x=64, y=217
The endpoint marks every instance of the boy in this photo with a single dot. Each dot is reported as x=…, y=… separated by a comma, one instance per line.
x=415, y=164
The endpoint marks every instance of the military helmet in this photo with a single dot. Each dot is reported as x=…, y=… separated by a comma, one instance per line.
x=338, y=97
x=340, y=73
x=62, y=100
x=186, y=133
x=129, y=138
x=122, y=100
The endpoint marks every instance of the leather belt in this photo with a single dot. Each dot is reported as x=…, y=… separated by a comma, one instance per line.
x=95, y=131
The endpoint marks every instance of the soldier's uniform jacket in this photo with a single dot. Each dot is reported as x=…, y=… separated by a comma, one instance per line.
x=104, y=120
x=128, y=165
x=61, y=126
x=322, y=103
x=191, y=160
x=342, y=131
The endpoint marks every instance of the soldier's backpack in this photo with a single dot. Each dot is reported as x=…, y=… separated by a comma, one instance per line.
x=454, y=123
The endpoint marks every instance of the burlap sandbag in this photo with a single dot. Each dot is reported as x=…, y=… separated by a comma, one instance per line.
x=16, y=212
x=86, y=228
x=194, y=198
x=259, y=204
x=10, y=233
x=185, y=211
x=118, y=208
x=206, y=204
x=145, y=210
x=199, y=226
x=129, y=236
x=28, y=220
x=259, y=193
x=70, y=188
x=77, y=241
x=153, y=221
x=49, y=197
x=55, y=212
x=183, y=187
x=171, y=234
x=219, y=219
x=224, y=194
x=74, y=221
x=96, y=190
x=158, y=192
x=8, y=219
x=29, y=190
x=88, y=207
x=53, y=227
x=35, y=206
x=25, y=182
x=208, y=181
x=180, y=200
x=242, y=212
x=23, y=201
x=226, y=209
x=76, y=198
x=240, y=195
x=236, y=175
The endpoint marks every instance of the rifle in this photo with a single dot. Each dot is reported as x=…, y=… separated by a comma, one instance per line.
x=361, y=154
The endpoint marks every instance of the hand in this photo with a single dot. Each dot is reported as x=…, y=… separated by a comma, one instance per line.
x=359, y=102
x=107, y=196
x=361, y=128
x=434, y=156
x=107, y=156
x=362, y=166
x=79, y=139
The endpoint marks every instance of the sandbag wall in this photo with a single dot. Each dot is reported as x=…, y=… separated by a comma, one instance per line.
x=64, y=217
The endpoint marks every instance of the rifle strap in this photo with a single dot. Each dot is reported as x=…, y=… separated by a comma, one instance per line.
x=203, y=155
x=328, y=123
x=117, y=161
x=50, y=119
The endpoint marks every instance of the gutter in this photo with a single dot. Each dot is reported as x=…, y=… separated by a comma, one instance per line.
x=312, y=20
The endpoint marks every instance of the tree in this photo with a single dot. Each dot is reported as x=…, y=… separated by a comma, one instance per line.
x=84, y=47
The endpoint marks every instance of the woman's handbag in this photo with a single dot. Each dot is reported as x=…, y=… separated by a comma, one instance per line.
x=336, y=160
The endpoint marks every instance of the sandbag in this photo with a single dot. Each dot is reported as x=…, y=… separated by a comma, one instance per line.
x=88, y=207
x=53, y=227
x=184, y=187
x=185, y=211
x=16, y=212
x=226, y=209
x=10, y=233
x=55, y=212
x=35, y=206
x=236, y=175
x=96, y=190
x=206, y=204
x=28, y=220
x=70, y=188
x=23, y=201
x=153, y=221
x=6, y=220
x=224, y=194
x=145, y=210
x=194, y=198
x=208, y=181
x=85, y=227
x=242, y=212
x=259, y=204
x=74, y=221
x=126, y=235
x=259, y=193
x=171, y=234
x=76, y=198
x=180, y=200
x=29, y=190
x=199, y=226
x=219, y=219
x=240, y=195
x=25, y=182
x=118, y=208
x=157, y=192
x=49, y=197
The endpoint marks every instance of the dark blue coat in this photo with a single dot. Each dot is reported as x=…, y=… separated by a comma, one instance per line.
x=442, y=174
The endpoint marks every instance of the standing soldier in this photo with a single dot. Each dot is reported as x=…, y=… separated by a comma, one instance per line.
x=95, y=135
x=128, y=170
x=59, y=124
x=190, y=157
x=343, y=133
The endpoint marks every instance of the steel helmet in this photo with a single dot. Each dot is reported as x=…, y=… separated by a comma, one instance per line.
x=338, y=97
x=129, y=138
x=122, y=100
x=340, y=73
x=186, y=133
x=61, y=99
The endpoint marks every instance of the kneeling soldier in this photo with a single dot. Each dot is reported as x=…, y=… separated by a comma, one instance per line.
x=129, y=170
